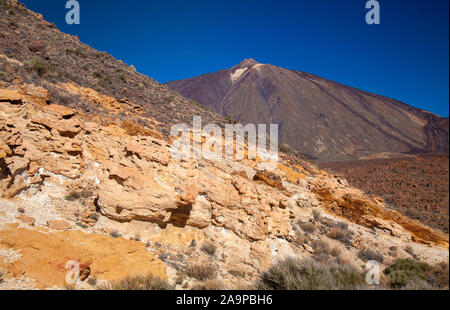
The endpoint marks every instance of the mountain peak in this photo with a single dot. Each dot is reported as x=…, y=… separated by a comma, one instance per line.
x=246, y=63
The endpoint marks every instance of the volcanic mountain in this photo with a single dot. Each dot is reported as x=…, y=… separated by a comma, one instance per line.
x=316, y=116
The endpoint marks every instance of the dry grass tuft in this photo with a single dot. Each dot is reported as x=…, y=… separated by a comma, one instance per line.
x=201, y=272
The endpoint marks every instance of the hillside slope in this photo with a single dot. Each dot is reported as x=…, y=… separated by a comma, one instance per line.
x=87, y=175
x=39, y=53
x=317, y=117
x=62, y=170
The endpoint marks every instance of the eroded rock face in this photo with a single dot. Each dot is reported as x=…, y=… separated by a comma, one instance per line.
x=44, y=256
x=53, y=150
x=135, y=178
x=269, y=178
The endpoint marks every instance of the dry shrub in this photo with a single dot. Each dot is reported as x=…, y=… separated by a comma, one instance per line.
x=209, y=285
x=367, y=255
x=296, y=274
x=138, y=283
x=321, y=247
x=115, y=233
x=339, y=234
x=237, y=273
x=300, y=238
x=201, y=272
x=308, y=227
x=209, y=248
x=37, y=65
x=75, y=195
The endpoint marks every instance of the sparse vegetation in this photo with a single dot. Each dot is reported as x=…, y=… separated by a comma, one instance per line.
x=76, y=195
x=201, y=272
x=230, y=120
x=209, y=248
x=316, y=215
x=180, y=278
x=77, y=52
x=300, y=238
x=339, y=234
x=92, y=281
x=404, y=271
x=13, y=24
x=209, y=285
x=367, y=255
x=138, y=283
x=308, y=227
x=296, y=274
x=36, y=65
x=287, y=149
x=237, y=273
x=115, y=233
x=97, y=74
x=321, y=247
x=121, y=77
x=163, y=256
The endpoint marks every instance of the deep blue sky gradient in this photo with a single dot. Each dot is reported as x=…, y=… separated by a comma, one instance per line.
x=406, y=57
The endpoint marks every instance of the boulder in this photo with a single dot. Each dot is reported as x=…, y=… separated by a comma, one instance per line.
x=37, y=46
x=269, y=178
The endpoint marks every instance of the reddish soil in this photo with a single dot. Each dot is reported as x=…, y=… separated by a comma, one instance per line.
x=417, y=187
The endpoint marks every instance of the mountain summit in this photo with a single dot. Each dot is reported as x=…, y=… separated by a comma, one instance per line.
x=246, y=63
x=316, y=116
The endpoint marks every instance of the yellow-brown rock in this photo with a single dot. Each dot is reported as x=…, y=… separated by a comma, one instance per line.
x=26, y=219
x=58, y=225
x=269, y=178
x=10, y=95
x=45, y=255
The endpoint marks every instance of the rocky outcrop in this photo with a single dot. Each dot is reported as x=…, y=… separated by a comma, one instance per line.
x=269, y=178
x=370, y=212
x=61, y=154
x=135, y=178
x=44, y=256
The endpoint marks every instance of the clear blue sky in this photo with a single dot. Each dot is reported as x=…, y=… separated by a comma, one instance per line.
x=406, y=57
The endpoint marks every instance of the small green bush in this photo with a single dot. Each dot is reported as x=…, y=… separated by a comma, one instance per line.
x=37, y=65
x=97, y=74
x=295, y=274
x=404, y=271
x=121, y=77
x=75, y=195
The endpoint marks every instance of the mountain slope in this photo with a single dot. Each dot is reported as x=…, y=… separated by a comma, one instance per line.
x=316, y=116
x=39, y=53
